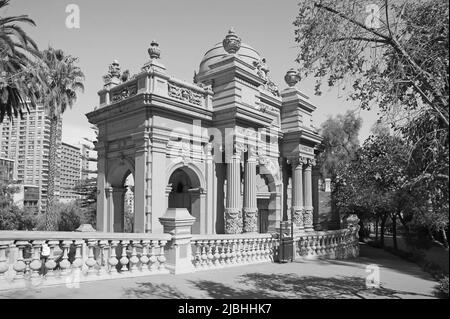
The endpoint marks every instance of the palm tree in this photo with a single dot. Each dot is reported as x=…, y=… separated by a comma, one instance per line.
x=62, y=79
x=18, y=53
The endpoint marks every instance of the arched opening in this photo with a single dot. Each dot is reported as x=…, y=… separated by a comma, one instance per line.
x=121, y=197
x=266, y=197
x=186, y=192
x=128, y=208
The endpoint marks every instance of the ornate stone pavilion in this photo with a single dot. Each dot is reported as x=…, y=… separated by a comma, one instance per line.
x=232, y=148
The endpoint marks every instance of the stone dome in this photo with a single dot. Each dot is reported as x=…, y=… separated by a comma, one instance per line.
x=245, y=53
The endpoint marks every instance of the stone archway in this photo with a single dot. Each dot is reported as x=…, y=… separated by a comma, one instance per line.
x=118, y=179
x=185, y=191
x=268, y=200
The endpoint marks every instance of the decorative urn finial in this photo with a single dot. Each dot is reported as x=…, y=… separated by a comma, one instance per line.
x=291, y=77
x=231, y=43
x=113, y=72
x=154, y=50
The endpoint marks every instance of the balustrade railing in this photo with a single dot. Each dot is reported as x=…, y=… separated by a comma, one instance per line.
x=75, y=257
x=218, y=251
x=332, y=244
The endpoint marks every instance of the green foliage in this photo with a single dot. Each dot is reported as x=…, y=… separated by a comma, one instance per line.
x=340, y=142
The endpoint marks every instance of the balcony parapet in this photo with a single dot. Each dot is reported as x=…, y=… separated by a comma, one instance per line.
x=154, y=82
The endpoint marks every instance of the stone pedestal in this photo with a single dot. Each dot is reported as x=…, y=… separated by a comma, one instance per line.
x=178, y=223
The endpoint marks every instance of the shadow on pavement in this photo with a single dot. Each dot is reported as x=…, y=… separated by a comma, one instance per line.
x=273, y=286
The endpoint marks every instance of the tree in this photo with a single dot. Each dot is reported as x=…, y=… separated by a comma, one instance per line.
x=394, y=55
x=63, y=78
x=18, y=53
x=372, y=184
x=87, y=189
x=397, y=55
x=340, y=141
x=11, y=216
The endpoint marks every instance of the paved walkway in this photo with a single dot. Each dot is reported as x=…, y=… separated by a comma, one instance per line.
x=305, y=279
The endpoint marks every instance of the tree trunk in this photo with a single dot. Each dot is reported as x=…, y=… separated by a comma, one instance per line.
x=376, y=227
x=50, y=214
x=444, y=237
x=383, y=224
x=394, y=230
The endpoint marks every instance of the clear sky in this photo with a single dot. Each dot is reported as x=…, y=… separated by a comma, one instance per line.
x=185, y=30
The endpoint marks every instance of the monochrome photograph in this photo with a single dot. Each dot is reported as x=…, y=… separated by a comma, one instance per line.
x=225, y=159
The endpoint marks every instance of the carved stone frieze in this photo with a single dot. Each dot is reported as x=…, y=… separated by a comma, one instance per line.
x=184, y=94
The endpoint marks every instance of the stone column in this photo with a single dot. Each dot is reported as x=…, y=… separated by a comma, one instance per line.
x=250, y=205
x=110, y=210
x=315, y=198
x=118, y=196
x=308, y=207
x=102, y=196
x=211, y=196
x=233, y=213
x=297, y=194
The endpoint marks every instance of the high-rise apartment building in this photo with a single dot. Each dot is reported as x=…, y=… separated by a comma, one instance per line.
x=26, y=141
x=6, y=170
x=71, y=171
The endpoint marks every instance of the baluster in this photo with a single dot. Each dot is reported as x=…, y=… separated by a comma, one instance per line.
x=238, y=251
x=36, y=263
x=246, y=251
x=153, y=257
x=90, y=261
x=228, y=252
x=267, y=249
x=50, y=265
x=113, y=261
x=252, y=250
x=223, y=253
x=326, y=246
x=144, y=256
x=134, y=260
x=162, y=257
x=217, y=255
x=198, y=255
x=257, y=251
x=20, y=266
x=204, y=254
x=103, y=256
x=232, y=251
x=65, y=263
x=4, y=265
x=319, y=246
x=210, y=254
x=78, y=262
x=301, y=246
x=124, y=258
x=308, y=246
